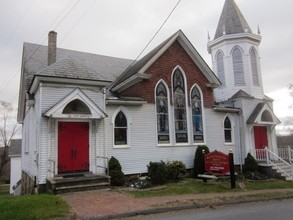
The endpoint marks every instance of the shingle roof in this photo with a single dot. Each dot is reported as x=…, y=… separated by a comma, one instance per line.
x=70, y=67
x=35, y=60
x=231, y=21
x=15, y=147
x=241, y=94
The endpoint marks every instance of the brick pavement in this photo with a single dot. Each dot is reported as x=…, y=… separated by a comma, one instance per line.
x=100, y=204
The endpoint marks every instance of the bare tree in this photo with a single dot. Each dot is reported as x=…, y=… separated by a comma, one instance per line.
x=8, y=129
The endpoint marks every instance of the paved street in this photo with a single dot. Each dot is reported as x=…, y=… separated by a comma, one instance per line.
x=100, y=204
x=273, y=210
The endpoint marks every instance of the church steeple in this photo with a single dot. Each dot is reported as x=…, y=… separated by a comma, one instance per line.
x=235, y=55
x=231, y=21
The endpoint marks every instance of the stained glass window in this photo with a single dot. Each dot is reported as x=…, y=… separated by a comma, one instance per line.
x=162, y=114
x=197, y=122
x=227, y=130
x=181, y=133
x=120, y=129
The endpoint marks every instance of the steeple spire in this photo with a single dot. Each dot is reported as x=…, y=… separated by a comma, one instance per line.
x=231, y=21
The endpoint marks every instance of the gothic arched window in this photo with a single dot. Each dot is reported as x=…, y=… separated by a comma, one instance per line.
x=120, y=129
x=179, y=101
x=197, y=122
x=162, y=114
x=238, y=67
x=227, y=130
x=221, y=68
x=253, y=59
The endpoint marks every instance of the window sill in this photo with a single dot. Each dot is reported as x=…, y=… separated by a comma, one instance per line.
x=121, y=147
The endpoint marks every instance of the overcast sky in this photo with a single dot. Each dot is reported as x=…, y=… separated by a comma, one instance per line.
x=122, y=28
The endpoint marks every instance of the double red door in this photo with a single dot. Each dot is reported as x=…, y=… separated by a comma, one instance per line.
x=260, y=137
x=73, y=147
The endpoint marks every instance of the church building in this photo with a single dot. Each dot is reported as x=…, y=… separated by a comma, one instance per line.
x=80, y=109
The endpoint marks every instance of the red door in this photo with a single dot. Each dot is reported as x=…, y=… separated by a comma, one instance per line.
x=260, y=140
x=73, y=147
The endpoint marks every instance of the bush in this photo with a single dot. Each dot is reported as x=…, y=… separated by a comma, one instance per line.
x=250, y=164
x=115, y=171
x=176, y=170
x=199, y=161
x=157, y=173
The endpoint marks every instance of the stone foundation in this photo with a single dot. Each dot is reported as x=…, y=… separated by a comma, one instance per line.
x=27, y=183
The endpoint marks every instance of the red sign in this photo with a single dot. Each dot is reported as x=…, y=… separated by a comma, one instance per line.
x=217, y=163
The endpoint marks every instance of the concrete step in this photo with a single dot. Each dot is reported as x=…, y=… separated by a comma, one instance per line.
x=77, y=182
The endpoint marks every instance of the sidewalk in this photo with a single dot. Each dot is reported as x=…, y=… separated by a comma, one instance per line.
x=109, y=205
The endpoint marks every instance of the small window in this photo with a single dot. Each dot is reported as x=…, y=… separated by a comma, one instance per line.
x=227, y=130
x=197, y=121
x=120, y=129
x=162, y=114
x=76, y=107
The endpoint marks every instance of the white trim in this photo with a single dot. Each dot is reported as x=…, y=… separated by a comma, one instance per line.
x=203, y=115
x=186, y=106
x=169, y=107
x=56, y=111
x=129, y=122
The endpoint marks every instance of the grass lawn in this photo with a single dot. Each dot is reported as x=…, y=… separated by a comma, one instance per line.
x=32, y=207
x=192, y=186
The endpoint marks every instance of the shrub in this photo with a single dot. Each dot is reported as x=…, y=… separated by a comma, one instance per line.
x=176, y=170
x=115, y=171
x=250, y=164
x=157, y=173
x=199, y=161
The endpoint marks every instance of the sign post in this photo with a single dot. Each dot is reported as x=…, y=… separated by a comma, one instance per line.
x=232, y=170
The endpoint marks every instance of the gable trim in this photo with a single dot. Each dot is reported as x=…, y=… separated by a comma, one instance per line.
x=57, y=110
x=256, y=115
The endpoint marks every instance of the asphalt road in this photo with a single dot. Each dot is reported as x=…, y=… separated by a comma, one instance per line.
x=272, y=210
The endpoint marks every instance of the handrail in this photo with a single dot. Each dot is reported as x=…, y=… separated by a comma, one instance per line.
x=54, y=162
x=107, y=164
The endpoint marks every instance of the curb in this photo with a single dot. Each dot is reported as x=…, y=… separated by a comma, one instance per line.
x=187, y=207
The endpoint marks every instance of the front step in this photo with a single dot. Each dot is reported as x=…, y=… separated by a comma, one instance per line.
x=77, y=182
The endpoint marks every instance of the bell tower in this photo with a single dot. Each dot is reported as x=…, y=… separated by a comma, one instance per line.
x=235, y=55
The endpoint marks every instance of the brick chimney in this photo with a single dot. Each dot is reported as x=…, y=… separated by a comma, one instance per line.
x=52, y=47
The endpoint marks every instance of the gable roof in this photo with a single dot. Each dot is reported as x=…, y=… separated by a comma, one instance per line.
x=136, y=71
x=231, y=21
x=57, y=110
x=34, y=60
x=15, y=148
x=241, y=94
x=257, y=113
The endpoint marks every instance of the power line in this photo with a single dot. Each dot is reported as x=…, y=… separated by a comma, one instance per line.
x=162, y=25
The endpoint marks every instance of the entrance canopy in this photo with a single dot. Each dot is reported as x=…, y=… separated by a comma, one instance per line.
x=263, y=114
x=76, y=105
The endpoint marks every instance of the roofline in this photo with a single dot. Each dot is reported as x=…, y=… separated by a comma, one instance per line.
x=40, y=78
x=251, y=36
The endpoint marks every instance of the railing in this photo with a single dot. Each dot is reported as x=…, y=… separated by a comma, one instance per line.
x=106, y=167
x=52, y=163
x=276, y=160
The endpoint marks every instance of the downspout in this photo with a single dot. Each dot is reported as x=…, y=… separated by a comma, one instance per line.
x=239, y=142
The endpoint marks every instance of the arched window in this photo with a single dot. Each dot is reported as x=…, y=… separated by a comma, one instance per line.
x=76, y=107
x=221, y=68
x=253, y=59
x=120, y=129
x=227, y=130
x=238, y=67
x=197, y=122
x=162, y=114
x=266, y=116
x=179, y=101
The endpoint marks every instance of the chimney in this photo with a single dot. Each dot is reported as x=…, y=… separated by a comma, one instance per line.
x=52, y=47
